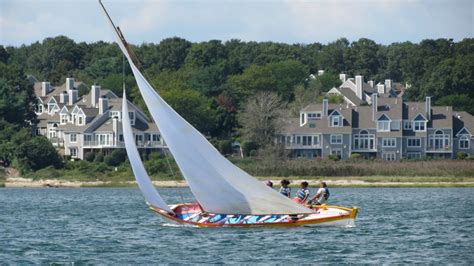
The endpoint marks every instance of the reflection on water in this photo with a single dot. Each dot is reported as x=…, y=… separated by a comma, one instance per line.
x=97, y=225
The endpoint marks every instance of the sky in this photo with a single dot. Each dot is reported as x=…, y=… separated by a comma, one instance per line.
x=150, y=21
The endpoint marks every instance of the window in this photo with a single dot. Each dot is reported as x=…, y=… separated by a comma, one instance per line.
x=414, y=143
x=364, y=141
x=439, y=140
x=298, y=140
x=383, y=126
x=419, y=125
x=139, y=139
x=288, y=139
x=73, y=152
x=464, y=142
x=383, y=123
x=114, y=114
x=389, y=156
x=336, y=139
x=337, y=152
x=407, y=125
x=87, y=137
x=302, y=119
x=389, y=142
x=52, y=132
x=64, y=119
x=51, y=107
x=156, y=137
x=336, y=121
x=40, y=108
x=80, y=120
x=121, y=137
x=38, y=131
x=132, y=117
x=307, y=140
x=73, y=138
x=414, y=155
x=314, y=116
x=316, y=140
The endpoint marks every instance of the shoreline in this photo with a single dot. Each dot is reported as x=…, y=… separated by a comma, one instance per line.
x=18, y=182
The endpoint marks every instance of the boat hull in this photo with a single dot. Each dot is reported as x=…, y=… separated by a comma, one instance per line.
x=191, y=214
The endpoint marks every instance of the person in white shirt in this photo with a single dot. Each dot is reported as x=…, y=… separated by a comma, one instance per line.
x=321, y=196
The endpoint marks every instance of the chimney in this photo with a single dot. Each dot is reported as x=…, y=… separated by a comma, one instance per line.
x=371, y=83
x=103, y=104
x=374, y=105
x=95, y=94
x=343, y=77
x=69, y=84
x=359, y=81
x=428, y=107
x=63, y=97
x=388, y=84
x=45, y=87
x=72, y=96
x=381, y=88
x=325, y=106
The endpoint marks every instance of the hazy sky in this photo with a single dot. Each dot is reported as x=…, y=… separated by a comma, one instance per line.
x=385, y=21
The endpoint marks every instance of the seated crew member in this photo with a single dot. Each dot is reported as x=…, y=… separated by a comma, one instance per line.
x=285, y=190
x=321, y=196
x=302, y=194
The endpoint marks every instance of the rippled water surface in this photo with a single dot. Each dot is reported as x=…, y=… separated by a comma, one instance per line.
x=113, y=225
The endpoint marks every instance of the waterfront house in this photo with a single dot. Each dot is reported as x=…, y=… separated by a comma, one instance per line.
x=90, y=123
x=376, y=122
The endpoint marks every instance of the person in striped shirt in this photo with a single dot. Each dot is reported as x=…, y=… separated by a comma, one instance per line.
x=302, y=194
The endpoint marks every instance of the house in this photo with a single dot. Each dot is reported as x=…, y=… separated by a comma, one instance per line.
x=91, y=123
x=377, y=123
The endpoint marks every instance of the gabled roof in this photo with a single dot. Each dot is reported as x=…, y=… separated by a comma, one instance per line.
x=420, y=117
x=464, y=131
x=384, y=117
x=64, y=110
x=335, y=113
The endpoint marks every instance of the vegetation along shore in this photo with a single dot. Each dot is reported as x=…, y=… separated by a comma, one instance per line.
x=362, y=173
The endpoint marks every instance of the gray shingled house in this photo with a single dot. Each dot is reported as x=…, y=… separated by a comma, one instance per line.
x=91, y=123
x=376, y=122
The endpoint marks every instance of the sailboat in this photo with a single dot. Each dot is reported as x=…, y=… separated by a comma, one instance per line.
x=225, y=194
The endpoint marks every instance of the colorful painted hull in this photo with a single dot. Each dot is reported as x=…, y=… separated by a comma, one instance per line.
x=191, y=214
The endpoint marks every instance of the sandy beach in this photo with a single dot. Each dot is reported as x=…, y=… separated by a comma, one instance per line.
x=19, y=182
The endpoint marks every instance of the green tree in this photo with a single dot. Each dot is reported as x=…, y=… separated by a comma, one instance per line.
x=37, y=153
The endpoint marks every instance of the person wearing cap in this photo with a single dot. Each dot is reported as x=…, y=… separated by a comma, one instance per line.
x=321, y=196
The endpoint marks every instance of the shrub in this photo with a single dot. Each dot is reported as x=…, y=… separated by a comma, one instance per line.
x=462, y=155
x=253, y=153
x=225, y=146
x=117, y=157
x=248, y=147
x=37, y=153
x=355, y=156
x=89, y=156
x=99, y=157
x=334, y=157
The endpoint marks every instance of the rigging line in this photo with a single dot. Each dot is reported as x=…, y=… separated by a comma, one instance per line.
x=139, y=65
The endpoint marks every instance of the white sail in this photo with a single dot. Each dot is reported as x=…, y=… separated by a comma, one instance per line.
x=218, y=185
x=143, y=180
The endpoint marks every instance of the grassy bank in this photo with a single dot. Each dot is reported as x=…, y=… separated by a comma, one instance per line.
x=367, y=173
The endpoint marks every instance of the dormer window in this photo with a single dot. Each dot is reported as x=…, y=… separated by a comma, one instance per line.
x=419, y=123
x=80, y=120
x=335, y=119
x=383, y=123
x=39, y=109
x=464, y=142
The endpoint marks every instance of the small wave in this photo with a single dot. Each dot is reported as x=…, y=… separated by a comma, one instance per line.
x=177, y=225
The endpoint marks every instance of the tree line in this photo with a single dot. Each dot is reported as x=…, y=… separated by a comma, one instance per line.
x=218, y=86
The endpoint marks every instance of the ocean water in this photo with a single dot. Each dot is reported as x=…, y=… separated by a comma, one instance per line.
x=113, y=225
